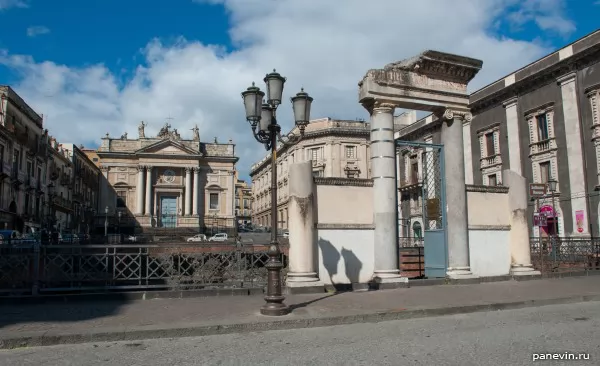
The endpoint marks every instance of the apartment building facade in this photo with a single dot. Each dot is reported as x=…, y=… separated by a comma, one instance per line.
x=541, y=121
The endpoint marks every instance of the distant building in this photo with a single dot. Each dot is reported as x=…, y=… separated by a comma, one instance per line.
x=243, y=201
x=60, y=187
x=23, y=165
x=167, y=181
x=337, y=148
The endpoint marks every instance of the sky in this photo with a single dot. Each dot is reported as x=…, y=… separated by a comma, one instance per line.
x=101, y=66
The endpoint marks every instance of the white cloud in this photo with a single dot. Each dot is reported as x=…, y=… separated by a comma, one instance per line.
x=7, y=4
x=547, y=14
x=37, y=30
x=325, y=47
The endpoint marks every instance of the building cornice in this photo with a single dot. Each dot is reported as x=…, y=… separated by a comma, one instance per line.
x=126, y=155
x=326, y=132
x=486, y=189
x=531, y=82
x=348, y=182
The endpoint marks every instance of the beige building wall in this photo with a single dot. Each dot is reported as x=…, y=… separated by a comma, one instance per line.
x=337, y=148
x=146, y=179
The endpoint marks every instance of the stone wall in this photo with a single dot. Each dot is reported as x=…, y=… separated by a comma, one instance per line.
x=344, y=222
x=489, y=230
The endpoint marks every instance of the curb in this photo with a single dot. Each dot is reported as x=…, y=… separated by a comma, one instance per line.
x=154, y=332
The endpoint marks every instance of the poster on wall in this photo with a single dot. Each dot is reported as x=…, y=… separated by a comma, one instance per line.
x=579, y=220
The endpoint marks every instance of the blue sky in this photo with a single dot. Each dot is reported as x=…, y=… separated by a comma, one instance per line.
x=99, y=66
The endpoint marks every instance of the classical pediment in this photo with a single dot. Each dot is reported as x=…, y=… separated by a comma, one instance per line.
x=167, y=147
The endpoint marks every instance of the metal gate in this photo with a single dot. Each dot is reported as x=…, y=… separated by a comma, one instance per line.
x=425, y=177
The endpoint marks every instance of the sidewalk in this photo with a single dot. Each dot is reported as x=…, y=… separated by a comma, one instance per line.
x=60, y=323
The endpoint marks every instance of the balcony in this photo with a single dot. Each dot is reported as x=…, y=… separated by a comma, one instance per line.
x=78, y=197
x=65, y=180
x=17, y=176
x=30, y=182
x=412, y=183
x=490, y=161
x=61, y=202
x=5, y=169
x=541, y=147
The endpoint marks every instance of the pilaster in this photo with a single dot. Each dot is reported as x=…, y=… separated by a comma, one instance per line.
x=148, y=206
x=573, y=146
x=195, y=194
x=512, y=130
x=188, y=191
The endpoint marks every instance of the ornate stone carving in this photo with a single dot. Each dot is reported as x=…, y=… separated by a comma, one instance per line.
x=166, y=133
x=188, y=169
x=124, y=136
x=380, y=107
x=450, y=114
x=197, y=169
x=168, y=176
x=141, y=168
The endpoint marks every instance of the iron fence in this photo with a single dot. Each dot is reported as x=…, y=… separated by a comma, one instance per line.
x=35, y=269
x=555, y=254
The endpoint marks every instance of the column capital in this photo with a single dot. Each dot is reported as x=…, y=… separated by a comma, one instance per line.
x=382, y=107
x=566, y=78
x=141, y=168
x=148, y=167
x=197, y=169
x=188, y=169
x=452, y=114
x=103, y=168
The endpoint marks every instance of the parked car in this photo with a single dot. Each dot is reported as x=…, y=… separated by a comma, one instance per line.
x=197, y=237
x=218, y=237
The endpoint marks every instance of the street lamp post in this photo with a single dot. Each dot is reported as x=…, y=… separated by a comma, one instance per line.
x=263, y=121
x=106, y=223
x=552, y=187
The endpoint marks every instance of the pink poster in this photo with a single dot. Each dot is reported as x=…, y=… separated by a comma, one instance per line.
x=579, y=220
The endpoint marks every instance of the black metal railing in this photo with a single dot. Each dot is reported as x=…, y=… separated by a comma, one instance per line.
x=32, y=269
x=554, y=254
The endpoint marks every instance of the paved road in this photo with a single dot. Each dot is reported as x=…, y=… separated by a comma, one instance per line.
x=497, y=338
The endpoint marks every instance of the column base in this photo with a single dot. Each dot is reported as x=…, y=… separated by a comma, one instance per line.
x=300, y=279
x=460, y=273
x=389, y=276
x=523, y=270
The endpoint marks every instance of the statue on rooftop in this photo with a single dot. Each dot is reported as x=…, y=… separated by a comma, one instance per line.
x=196, y=132
x=141, y=131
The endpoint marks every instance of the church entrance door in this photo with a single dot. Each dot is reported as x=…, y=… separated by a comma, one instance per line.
x=168, y=210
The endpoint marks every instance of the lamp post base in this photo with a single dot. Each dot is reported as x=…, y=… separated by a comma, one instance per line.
x=275, y=309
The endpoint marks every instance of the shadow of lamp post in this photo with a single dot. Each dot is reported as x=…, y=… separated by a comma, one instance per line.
x=263, y=121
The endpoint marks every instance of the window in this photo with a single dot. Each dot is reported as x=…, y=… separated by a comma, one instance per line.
x=26, y=207
x=545, y=172
x=542, y=126
x=317, y=173
x=29, y=168
x=39, y=173
x=414, y=172
x=492, y=180
x=94, y=159
x=489, y=143
x=314, y=154
x=214, y=201
x=121, y=199
x=350, y=152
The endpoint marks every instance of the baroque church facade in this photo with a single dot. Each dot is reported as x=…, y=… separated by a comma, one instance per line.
x=166, y=181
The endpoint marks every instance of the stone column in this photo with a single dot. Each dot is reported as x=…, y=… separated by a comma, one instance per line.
x=574, y=151
x=456, y=194
x=148, y=207
x=195, y=193
x=383, y=171
x=520, y=251
x=188, y=191
x=301, y=226
x=467, y=152
x=139, y=191
x=512, y=130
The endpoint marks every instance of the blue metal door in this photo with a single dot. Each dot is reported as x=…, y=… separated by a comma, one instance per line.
x=433, y=198
x=168, y=210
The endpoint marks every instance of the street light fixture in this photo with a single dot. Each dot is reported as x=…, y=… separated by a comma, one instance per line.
x=552, y=187
x=263, y=122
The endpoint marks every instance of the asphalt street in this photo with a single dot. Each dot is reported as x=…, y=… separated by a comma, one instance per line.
x=510, y=337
